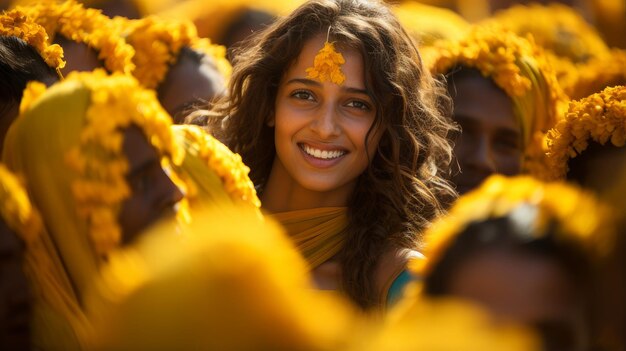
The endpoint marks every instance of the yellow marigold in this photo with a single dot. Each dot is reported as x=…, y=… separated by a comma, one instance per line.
x=579, y=217
x=85, y=25
x=157, y=43
x=600, y=117
x=16, y=23
x=555, y=27
x=116, y=102
x=517, y=66
x=597, y=74
x=327, y=65
x=218, y=157
x=15, y=207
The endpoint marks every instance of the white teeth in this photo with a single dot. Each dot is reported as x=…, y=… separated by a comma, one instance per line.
x=323, y=154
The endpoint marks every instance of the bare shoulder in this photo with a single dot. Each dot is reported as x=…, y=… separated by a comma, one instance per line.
x=392, y=262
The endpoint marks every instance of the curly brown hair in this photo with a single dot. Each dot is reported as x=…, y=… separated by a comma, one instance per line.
x=402, y=189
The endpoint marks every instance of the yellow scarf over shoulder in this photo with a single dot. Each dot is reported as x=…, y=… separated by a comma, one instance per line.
x=318, y=233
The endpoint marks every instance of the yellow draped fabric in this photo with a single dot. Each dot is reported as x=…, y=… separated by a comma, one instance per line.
x=238, y=283
x=64, y=258
x=318, y=233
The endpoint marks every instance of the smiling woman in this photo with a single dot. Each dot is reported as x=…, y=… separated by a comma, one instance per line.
x=333, y=112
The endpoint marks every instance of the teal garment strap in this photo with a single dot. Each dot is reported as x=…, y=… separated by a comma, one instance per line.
x=395, y=291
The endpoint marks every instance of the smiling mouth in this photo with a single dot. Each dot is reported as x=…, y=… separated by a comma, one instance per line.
x=322, y=154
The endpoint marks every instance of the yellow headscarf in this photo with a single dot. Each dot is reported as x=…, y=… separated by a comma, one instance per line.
x=157, y=43
x=578, y=215
x=16, y=209
x=600, y=117
x=517, y=66
x=444, y=325
x=210, y=173
x=236, y=284
x=67, y=145
x=84, y=25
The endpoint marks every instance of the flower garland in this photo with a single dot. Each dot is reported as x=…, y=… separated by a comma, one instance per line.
x=578, y=215
x=600, y=117
x=517, y=66
x=15, y=207
x=226, y=164
x=16, y=23
x=157, y=43
x=88, y=26
x=117, y=101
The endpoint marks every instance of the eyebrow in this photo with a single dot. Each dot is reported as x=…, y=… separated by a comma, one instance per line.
x=319, y=85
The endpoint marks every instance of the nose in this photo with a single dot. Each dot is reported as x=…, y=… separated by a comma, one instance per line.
x=481, y=156
x=325, y=122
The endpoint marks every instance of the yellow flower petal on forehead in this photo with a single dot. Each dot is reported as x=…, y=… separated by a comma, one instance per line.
x=327, y=65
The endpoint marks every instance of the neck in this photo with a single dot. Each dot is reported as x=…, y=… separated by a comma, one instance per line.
x=282, y=193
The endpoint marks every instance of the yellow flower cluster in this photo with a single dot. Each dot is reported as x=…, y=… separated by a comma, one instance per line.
x=116, y=102
x=15, y=207
x=228, y=165
x=600, y=117
x=495, y=53
x=327, y=65
x=157, y=43
x=16, y=23
x=579, y=217
x=85, y=25
x=597, y=74
x=555, y=27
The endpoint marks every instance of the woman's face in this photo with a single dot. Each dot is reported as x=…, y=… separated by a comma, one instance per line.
x=321, y=127
x=153, y=194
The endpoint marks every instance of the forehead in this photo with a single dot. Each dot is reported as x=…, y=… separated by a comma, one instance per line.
x=353, y=68
x=479, y=101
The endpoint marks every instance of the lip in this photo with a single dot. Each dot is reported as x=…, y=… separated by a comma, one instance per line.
x=319, y=162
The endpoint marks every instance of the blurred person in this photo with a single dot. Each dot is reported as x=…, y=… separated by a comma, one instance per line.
x=505, y=96
x=526, y=252
x=97, y=180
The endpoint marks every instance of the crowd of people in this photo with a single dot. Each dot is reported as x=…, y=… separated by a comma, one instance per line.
x=312, y=175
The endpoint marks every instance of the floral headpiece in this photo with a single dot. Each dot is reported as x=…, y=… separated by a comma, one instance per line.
x=600, y=117
x=517, y=66
x=228, y=165
x=15, y=207
x=327, y=64
x=579, y=217
x=16, y=23
x=116, y=102
x=157, y=43
x=85, y=25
